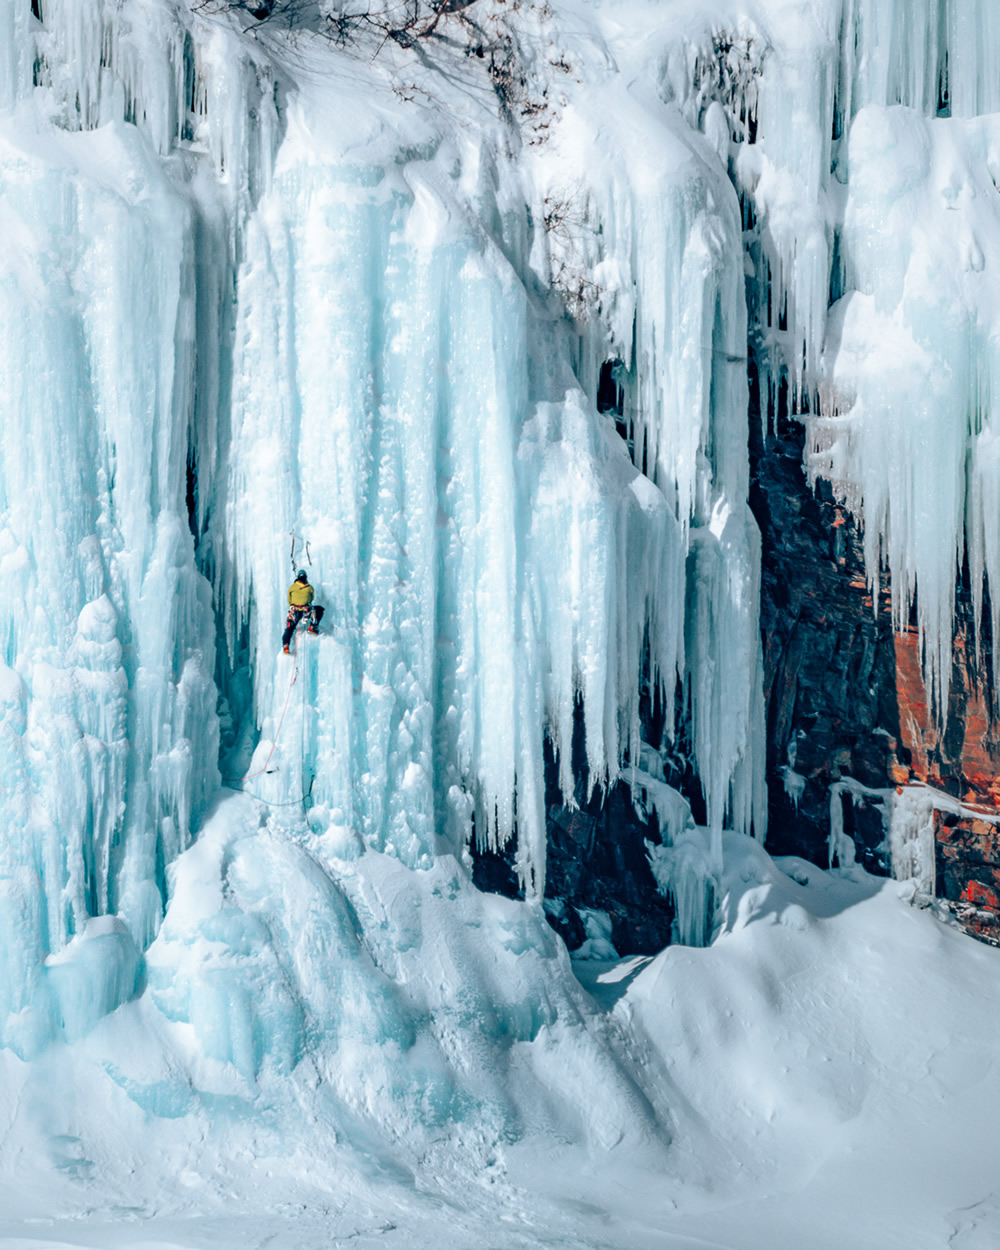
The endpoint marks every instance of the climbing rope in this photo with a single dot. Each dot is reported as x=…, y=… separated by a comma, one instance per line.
x=236, y=783
x=267, y=802
x=281, y=718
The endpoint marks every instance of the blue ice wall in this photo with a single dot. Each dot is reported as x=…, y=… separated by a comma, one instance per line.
x=256, y=301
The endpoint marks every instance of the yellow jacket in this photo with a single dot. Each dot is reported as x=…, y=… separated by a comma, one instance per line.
x=300, y=594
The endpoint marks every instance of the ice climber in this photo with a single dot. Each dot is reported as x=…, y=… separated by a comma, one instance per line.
x=300, y=604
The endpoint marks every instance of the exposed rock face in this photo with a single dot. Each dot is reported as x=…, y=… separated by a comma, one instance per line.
x=829, y=662
x=968, y=871
x=848, y=720
x=846, y=699
x=596, y=861
x=960, y=759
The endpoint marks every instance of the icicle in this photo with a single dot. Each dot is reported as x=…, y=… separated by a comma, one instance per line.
x=840, y=844
x=912, y=842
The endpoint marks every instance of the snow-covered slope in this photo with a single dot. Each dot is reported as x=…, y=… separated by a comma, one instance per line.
x=819, y=1076
x=275, y=299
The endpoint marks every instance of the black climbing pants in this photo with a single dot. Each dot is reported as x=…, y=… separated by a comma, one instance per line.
x=313, y=614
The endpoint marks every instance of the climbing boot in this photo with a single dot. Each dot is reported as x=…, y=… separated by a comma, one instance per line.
x=312, y=630
x=285, y=649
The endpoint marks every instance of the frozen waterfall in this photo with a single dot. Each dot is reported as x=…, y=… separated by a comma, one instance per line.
x=270, y=299
x=251, y=323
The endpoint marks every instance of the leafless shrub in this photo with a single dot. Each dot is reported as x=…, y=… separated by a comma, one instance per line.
x=470, y=28
x=571, y=235
x=404, y=22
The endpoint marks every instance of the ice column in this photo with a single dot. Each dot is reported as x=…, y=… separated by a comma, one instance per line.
x=669, y=258
x=486, y=556
x=110, y=733
x=912, y=837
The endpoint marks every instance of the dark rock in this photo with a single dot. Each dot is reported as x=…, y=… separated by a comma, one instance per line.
x=968, y=871
x=829, y=659
x=845, y=700
x=846, y=694
x=596, y=860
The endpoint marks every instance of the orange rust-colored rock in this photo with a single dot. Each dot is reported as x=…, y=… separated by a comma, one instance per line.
x=916, y=728
x=968, y=870
x=982, y=896
x=899, y=774
x=962, y=756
